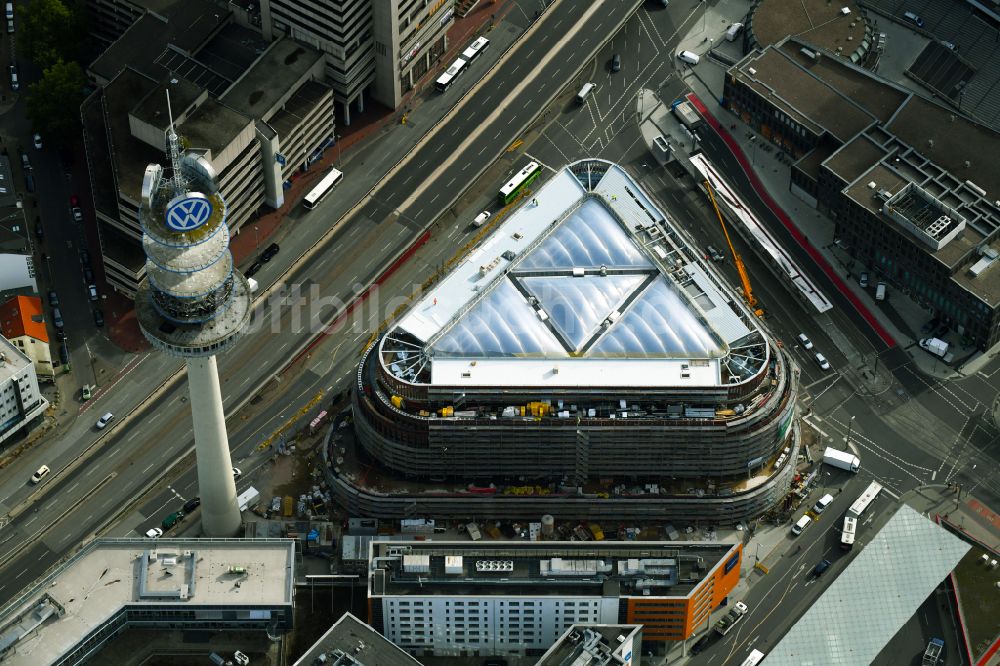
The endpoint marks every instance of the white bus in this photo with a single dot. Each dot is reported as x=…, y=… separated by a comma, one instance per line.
x=755, y=658
x=847, y=535
x=523, y=177
x=475, y=49
x=322, y=189
x=865, y=500
x=445, y=80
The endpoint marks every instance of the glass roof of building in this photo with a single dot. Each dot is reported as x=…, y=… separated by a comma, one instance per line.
x=589, y=238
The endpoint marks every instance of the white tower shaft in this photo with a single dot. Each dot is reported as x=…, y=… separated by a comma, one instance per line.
x=220, y=516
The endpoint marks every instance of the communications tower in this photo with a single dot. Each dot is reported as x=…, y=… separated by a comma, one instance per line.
x=193, y=304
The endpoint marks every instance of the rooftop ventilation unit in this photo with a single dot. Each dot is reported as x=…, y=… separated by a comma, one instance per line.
x=989, y=258
x=494, y=566
x=845, y=10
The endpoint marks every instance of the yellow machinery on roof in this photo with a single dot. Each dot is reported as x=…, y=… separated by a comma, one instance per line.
x=740, y=268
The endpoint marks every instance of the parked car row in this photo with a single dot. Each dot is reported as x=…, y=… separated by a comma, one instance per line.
x=267, y=255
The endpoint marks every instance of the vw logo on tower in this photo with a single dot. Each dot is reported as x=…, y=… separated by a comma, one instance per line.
x=188, y=211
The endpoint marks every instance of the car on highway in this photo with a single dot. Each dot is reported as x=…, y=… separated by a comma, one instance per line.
x=192, y=504
x=481, y=219
x=92, y=292
x=822, y=362
x=40, y=474
x=237, y=473
x=805, y=341
x=820, y=568
x=38, y=141
x=269, y=252
x=98, y=318
x=53, y=299
x=104, y=420
x=154, y=533
x=254, y=267
x=616, y=62
x=863, y=280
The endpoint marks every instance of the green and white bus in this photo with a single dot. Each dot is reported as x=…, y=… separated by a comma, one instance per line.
x=522, y=178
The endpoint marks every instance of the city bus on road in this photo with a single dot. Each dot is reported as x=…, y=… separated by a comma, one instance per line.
x=755, y=658
x=323, y=188
x=522, y=178
x=445, y=80
x=847, y=534
x=475, y=49
x=865, y=499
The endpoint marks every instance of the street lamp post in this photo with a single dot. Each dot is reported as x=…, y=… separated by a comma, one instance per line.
x=337, y=139
x=256, y=239
x=850, y=429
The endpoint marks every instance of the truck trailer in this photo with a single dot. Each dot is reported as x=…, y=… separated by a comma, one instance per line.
x=731, y=619
x=841, y=459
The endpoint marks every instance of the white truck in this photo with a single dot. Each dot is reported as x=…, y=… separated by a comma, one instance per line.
x=936, y=346
x=932, y=655
x=841, y=459
x=731, y=619
x=248, y=498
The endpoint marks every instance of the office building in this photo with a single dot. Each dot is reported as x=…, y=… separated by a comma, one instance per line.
x=255, y=129
x=518, y=598
x=21, y=403
x=351, y=642
x=907, y=182
x=596, y=645
x=22, y=321
x=112, y=585
x=587, y=343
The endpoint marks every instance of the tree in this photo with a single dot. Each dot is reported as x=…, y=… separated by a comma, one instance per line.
x=54, y=101
x=48, y=31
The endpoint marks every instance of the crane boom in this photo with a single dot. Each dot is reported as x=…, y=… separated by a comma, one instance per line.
x=740, y=268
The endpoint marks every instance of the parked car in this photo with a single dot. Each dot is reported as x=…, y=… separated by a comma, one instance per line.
x=919, y=22
x=805, y=341
x=822, y=362
x=689, y=57
x=63, y=351
x=88, y=274
x=701, y=644
x=192, y=504
x=243, y=660
x=39, y=231
x=154, y=533
x=57, y=319
x=85, y=257
x=714, y=253
x=92, y=292
x=172, y=519
x=821, y=567
x=38, y=141
x=104, y=420
x=269, y=252
x=98, y=318
x=53, y=299
x=863, y=280
x=77, y=214
x=254, y=267
x=12, y=70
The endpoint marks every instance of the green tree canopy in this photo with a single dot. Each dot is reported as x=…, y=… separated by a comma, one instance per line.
x=50, y=30
x=54, y=101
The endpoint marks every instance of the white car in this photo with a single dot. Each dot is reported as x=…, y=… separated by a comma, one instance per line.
x=104, y=420
x=822, y=362
x=42, y=472
x=481, y=218
x=77, y=214
x=237, y=474
x=240, y=658
x=805, y=342
x=690, y=57
x=154, y=533
x=38, y=141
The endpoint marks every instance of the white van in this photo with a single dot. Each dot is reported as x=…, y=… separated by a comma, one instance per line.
x=823, y=502
x=916, y=19
x=801, y=525
x=689, y=57
x=481, y=219
x=10, y=10
x=880, y=291
x=587, y=88
x=734, y=32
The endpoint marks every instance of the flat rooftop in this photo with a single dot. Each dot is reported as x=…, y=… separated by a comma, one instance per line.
x=594, y=645
x=817, y=21
x=561, y=568
x=51, y=617
x=351, y=642
x=14, y=361
x=855, y=158
x=258, y=92
x=812, y=102
x=586, y=283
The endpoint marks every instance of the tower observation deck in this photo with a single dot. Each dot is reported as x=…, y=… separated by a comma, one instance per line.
x=194, y=304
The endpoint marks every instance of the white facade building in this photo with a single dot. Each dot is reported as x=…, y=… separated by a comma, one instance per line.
x=20, y=399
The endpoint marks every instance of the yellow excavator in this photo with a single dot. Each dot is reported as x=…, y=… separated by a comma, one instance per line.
x=740, y=268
